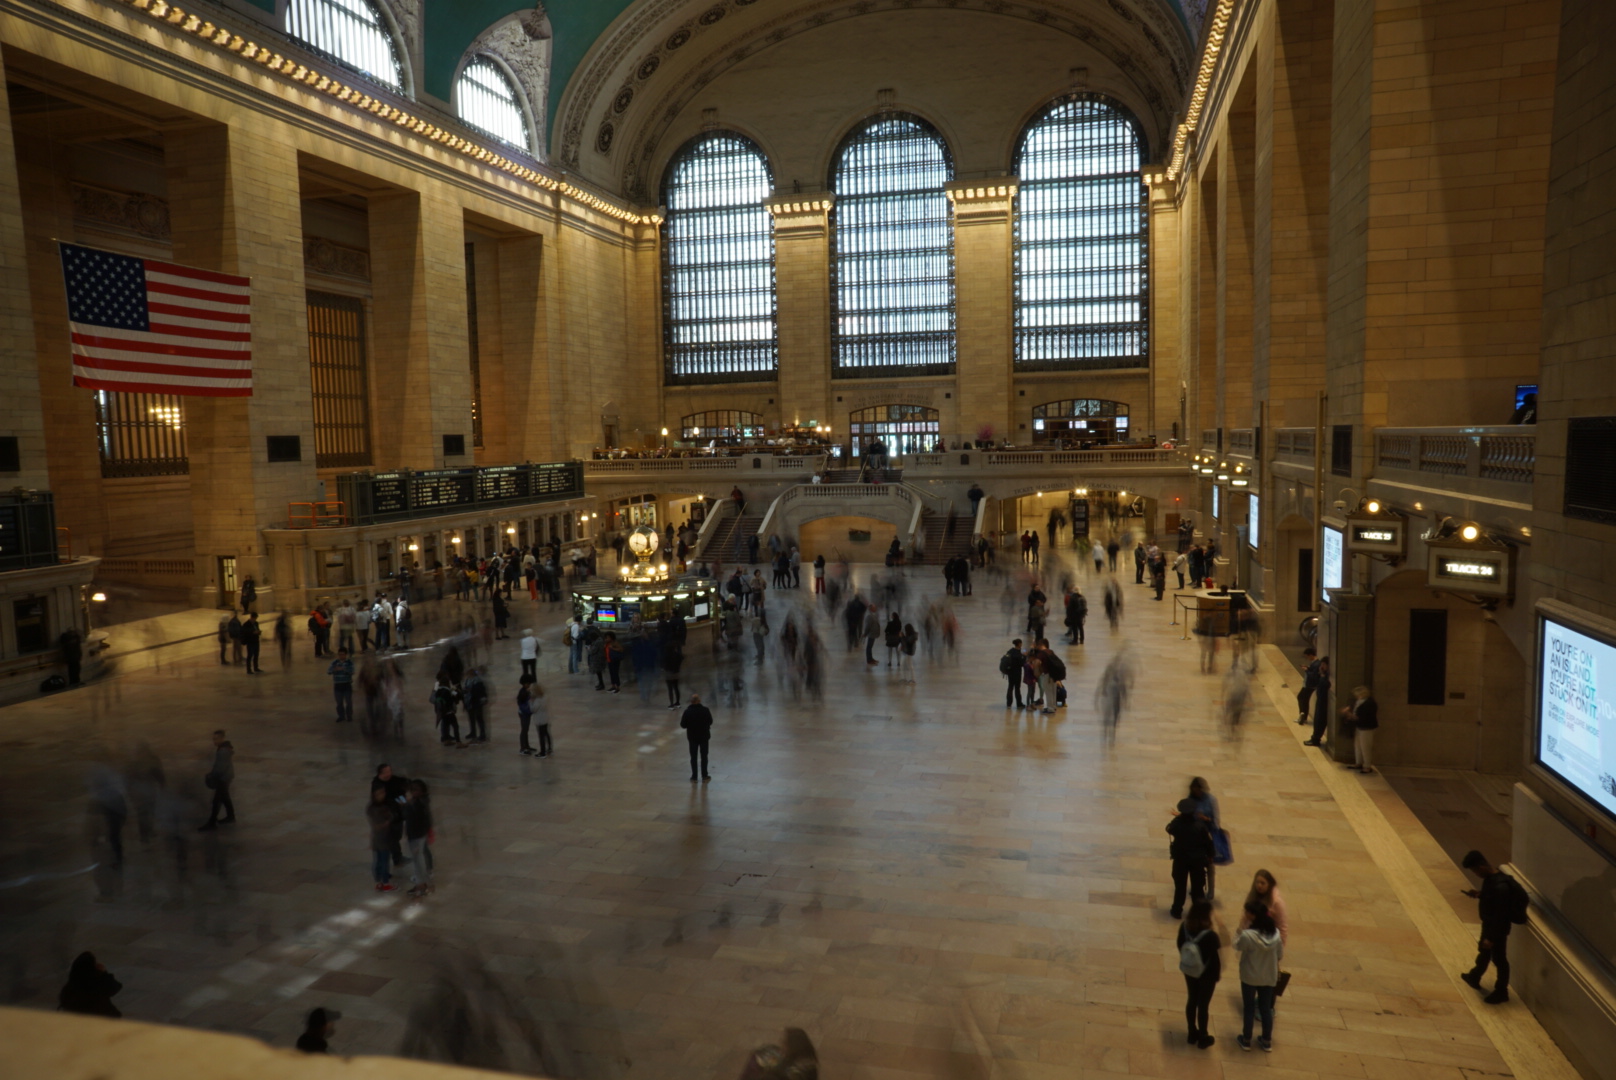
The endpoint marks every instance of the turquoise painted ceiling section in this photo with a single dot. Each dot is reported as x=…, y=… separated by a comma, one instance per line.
x=452, y=25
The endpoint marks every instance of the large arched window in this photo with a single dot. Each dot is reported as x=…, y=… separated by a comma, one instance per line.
x=894, y=266
x=1081, y=275
x=718, y=262
x=487, y=100
x=349, y=31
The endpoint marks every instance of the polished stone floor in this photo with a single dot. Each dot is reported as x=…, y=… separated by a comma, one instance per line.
x=930, y=885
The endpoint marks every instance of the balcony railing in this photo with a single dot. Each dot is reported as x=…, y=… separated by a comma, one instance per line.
x=1501, y=454
x=372, y=498
x=27, y=531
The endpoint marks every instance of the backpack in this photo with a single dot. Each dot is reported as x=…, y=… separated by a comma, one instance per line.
x=1190, y=960
x=1520, y=902
x=1055, y=667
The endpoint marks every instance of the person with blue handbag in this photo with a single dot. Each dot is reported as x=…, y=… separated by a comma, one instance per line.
x=1222, y=851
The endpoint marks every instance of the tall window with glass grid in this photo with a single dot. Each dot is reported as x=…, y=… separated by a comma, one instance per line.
x=349, y=31
x=893, y=284
x=718, y=263
x=1081, y=251
x=487, y=101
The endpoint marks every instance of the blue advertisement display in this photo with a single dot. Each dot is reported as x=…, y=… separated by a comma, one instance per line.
x=1332, y=562
x=1576, y=729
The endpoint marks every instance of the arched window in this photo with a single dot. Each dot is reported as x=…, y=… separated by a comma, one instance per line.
x=893, y=283
x=718, y=263
x=487, y=100
x=905, y=429
x=349, y=31
x=1081, y=275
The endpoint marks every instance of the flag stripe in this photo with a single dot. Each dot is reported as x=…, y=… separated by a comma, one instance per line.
x=194, y=312
x=168, y=289
x=143, y=325
x=153, y=266
x=90, y=341
x=222, y=375
x=171, y=329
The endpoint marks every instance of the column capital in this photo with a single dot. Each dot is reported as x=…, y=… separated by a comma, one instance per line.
x=982, y=202
x=800, y=216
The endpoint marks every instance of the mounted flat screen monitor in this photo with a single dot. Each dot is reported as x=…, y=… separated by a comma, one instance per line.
x=1575, y=738
x=1332, y=563
x=1253, y=520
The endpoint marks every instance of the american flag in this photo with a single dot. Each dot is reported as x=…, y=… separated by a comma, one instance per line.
x=156, y=327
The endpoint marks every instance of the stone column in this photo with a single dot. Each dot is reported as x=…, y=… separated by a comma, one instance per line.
x=1236, y=198
x=235, y=206
x=1165, y=315
x=527, y=394
x=802, y=283
x=984, y=302
x=22, y=412
x=420, y=373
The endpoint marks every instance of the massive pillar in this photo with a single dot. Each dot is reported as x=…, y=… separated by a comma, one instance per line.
x=1237, y=167
x=419, y=374
x=22, y=415
x=235, y=207
x=984, y=302
x=802, y=283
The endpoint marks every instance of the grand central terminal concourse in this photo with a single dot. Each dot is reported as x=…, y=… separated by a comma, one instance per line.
x=864, y=539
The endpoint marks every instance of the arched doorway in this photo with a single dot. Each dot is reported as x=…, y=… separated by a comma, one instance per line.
x=906, y=429
x=726, y=427
x=1080, y=420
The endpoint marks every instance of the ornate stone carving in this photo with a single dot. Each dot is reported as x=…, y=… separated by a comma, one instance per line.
x=129, y=212
x=331, y=259
x=522, y=44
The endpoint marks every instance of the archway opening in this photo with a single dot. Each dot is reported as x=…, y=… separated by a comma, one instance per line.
x=721, y=427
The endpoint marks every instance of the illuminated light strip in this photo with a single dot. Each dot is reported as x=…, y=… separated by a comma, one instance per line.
x=231, y=42
x=1203, y=80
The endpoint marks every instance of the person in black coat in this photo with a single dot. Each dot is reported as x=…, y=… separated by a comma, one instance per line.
x=89, y=988
x=317, y=1031
x=1501, y=901
x=1321, y=703
x=1365, y=713
x=697, y=722
x=1077, y=611
x=502, y=616
x=1191, y=851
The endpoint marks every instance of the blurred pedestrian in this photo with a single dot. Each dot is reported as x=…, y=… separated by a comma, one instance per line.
x=1201, y=963
x=524, y=711
x=341, y=671
x=381, y=816
x=219, y=778
x=89, y=989
x=697, y=723
x=318, y=1030
x=541, y=713
x=418, y=832
x=474, y=692
x=252, y=638
x=530, y=654
x=793, y=1059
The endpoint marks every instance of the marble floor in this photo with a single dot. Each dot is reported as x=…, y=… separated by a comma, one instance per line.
x=930, y=885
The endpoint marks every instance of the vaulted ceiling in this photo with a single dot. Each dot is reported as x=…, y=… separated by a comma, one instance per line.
x=625, y=73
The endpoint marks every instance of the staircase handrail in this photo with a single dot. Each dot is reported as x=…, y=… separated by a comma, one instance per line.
x=981, y=519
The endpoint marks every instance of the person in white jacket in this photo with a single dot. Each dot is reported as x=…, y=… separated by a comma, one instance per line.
x=1261, y=948
x=530, y=654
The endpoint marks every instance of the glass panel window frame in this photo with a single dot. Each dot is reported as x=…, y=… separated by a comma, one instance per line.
x=339, y=379
x=892, y=251
x=487, y=99
x=140, y=434
x=1082, y=243
x=727, y=427
x=352, y=32
x=720, y=306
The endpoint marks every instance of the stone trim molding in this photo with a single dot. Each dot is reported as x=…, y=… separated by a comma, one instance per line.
x=327, y=257
x=132, y=212
x=179, y=20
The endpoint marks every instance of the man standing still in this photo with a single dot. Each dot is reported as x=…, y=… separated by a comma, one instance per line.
x=219, y=778
x=341, y=672
x=697, y=722
x=1502, y=903
x=872, y=633
x=252, y=639
x=1310, y=683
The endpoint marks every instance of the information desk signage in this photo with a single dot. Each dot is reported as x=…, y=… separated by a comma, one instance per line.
x=1575, y=739
x=1381, y=536
x=1080, y=517
x=1470, y=570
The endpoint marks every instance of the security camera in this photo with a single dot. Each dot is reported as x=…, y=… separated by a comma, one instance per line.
x=1341, y=504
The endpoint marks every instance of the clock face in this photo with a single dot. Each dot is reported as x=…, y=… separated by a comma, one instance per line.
x=642, y=542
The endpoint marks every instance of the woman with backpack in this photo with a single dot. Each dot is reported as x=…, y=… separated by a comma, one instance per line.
x=1261, y=948
x=1202, y=967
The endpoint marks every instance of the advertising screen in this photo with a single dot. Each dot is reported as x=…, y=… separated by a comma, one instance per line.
x=1576, y=712
x=1217, y=499
x=1332, y=563
x=1253, y=522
